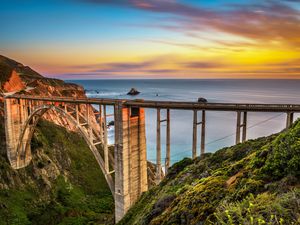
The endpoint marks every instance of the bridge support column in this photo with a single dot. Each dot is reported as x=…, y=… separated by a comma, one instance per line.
x=202, y=140
x=100, y=121
x=289, y=119
x=105, y=144
x=130, y=158
x=194, y=148
x=16, y=114
x=244, y=125
x=168, y=142
x=203, y=123
x=158, y=148
x=240, y=125
x=238, y=128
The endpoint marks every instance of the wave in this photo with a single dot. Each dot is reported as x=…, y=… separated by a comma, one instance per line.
x=98, y=93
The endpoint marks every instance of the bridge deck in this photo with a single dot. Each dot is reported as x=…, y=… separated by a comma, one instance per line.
x=171, y=104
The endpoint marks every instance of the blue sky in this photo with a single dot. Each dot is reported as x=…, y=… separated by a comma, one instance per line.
x=190, y=38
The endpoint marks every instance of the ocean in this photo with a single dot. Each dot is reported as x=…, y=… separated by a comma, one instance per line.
x=220, y=126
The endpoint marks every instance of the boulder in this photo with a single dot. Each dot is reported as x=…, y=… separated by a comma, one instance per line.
x=202, y=100
x=133, y=91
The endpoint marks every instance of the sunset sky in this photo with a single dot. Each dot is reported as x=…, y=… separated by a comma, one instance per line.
x=93, y=39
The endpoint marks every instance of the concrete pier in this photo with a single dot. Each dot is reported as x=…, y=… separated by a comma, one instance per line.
x=130, y=158
x=168, y=142
x=195, y=128
x=240, y=125
x=289, y=119
x=195, y=121
x=16, y=115
x=202, y=144
x=158, y=148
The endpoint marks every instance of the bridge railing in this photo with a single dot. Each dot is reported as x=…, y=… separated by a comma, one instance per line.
x=172, y=104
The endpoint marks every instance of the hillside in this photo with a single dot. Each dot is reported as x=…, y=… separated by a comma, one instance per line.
x=256, y=182
x=62, y=185
x=8, y=65
x=15, y=77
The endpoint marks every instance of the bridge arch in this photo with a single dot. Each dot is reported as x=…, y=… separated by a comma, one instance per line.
x=28, y=128
x=129, y=160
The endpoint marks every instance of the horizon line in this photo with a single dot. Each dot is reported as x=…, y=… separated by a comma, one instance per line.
x=178, y=78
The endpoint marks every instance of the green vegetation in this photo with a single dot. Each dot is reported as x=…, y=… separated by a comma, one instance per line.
x=62, y=185
x=256, y=182
x=265, y=208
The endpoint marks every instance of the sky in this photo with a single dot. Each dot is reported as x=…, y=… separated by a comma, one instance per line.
x=113, y=39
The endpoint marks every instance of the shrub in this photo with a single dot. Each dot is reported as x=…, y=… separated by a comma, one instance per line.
x=265, y=208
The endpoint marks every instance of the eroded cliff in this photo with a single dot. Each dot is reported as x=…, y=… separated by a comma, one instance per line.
x=17, y=78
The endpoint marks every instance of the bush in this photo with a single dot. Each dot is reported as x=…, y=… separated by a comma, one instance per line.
x=284, y=156
x=265, y=208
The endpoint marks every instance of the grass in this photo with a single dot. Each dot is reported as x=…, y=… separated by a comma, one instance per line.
x=256, y=182
x=62, y=185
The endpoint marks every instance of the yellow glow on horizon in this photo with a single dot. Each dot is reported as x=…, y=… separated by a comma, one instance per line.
x=264, y=56
x=171, y=56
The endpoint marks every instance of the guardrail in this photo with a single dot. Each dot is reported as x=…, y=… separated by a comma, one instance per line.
x=171, y=104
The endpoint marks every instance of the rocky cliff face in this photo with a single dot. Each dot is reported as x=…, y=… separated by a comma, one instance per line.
x=15, y=77
x=14, y=83
x=256, y=182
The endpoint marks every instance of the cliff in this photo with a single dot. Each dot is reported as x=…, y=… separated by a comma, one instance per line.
x=21, y=76
x=15, y=77
x=256, y=182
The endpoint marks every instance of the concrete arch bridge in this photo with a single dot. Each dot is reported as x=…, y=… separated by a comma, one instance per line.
x=125, y=168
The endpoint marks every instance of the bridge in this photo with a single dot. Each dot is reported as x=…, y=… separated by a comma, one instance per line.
x=125, y=165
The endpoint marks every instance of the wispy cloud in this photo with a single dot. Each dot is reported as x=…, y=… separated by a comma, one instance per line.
x=258, y=37
x=203, y=65
x=119, y=66
x=172, y=66
x=268, y=21
x=156, y=66
x=222, y=45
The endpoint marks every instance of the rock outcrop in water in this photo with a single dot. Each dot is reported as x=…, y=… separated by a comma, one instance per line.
x=133, y=91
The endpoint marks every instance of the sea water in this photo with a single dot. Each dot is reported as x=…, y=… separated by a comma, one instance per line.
x=220, y=126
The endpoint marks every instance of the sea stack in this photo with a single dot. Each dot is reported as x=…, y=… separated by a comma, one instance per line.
x=133, y=91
